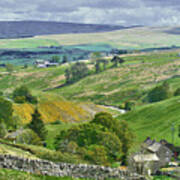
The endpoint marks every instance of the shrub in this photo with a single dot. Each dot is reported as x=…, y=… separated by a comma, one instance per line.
x=177, y=92
x=28, y=137
x=22, y=94
x=159, y=93
x=129, y=105
x=1, y=93
x=111, y=137
x=97, y=155
x=20, y=99
x=3, y=130
x=6, y=112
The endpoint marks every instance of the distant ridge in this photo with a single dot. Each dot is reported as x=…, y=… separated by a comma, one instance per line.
x=22, y=29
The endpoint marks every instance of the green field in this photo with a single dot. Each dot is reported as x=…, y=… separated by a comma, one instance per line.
x=17, y=175
x=130, y=81
x=114, y=86
x=134, y=38
x=155, y=120
x=26, y=43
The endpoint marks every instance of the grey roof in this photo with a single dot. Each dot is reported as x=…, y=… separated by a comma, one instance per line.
x=154, y=147
x=13, y=135
x=145, y=157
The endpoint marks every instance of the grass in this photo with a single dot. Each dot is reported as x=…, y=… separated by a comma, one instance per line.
x=53, y=131
x=130, y=81
x=7, y=174
x=135, y=38
x=26, y=43
x=156, y=120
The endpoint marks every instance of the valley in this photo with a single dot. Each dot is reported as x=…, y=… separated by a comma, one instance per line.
x=88, y=101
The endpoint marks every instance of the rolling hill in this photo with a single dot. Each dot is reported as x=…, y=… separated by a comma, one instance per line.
x=22, y=29
x=131, y=38
x=156, y=120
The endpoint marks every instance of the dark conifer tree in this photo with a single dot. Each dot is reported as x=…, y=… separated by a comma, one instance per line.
x=37, y=125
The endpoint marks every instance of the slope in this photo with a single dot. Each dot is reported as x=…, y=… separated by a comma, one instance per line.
x=156, y=120
x=132, y=38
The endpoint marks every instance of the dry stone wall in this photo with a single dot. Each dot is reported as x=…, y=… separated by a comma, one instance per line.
x=44, y=167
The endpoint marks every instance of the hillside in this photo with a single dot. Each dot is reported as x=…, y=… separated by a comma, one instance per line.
x=137, y=38
x=130, y=81
x=132, y=38
x=10, y=29
x=155, y=120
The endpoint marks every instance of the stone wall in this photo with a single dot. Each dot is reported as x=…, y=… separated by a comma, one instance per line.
x=63, y=169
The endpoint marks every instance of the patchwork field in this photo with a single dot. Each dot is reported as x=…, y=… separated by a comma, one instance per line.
x=114, y=86
x=130, y=81
x=133, y=38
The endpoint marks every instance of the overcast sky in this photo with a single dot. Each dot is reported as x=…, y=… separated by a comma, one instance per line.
x=120, y=12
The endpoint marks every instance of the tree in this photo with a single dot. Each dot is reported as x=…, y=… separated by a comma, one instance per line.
x=112, y=144
x=97, y=66
x=25, y=66
x=37, y=125
x=95, y=56
x=55, y=59
x=6, y=112
x=28, y=136
x=177, y=92
x=76, y=72
x=120, y=128
x=129, y=105
x=97, y=155
x=104, y=119
x=117, y=60
x=105, y=63
x=22, y=94
x=9, y=68
x=159, y=93
x=64, y=60
x=68, y=76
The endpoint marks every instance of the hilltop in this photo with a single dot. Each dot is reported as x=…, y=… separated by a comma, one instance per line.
x=10, y=29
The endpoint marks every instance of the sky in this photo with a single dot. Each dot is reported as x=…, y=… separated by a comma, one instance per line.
x=117, y=12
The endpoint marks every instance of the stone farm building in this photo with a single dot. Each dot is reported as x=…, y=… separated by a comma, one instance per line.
x=44, y=63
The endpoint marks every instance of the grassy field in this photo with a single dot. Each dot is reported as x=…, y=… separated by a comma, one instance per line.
x=135, y=38
x=130, y=81
x=26, y=43
x=115, y=86
x=156, y=120
x=17, y=175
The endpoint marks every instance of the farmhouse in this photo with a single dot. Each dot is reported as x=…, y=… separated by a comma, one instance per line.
x=152, y=156
x=44, y=63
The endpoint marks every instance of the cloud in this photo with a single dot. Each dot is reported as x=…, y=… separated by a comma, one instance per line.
x=122, y=12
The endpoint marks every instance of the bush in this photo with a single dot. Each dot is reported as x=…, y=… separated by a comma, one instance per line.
x=159, y=93
x=97, y=155
x=1, y=93
x=22, y=95
x=57, y=122
x=3, y=130
x=6, y=112
x=177, y=92
x=20, y=99
x=101, y=141
x=28, y=137
x=129, y=105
